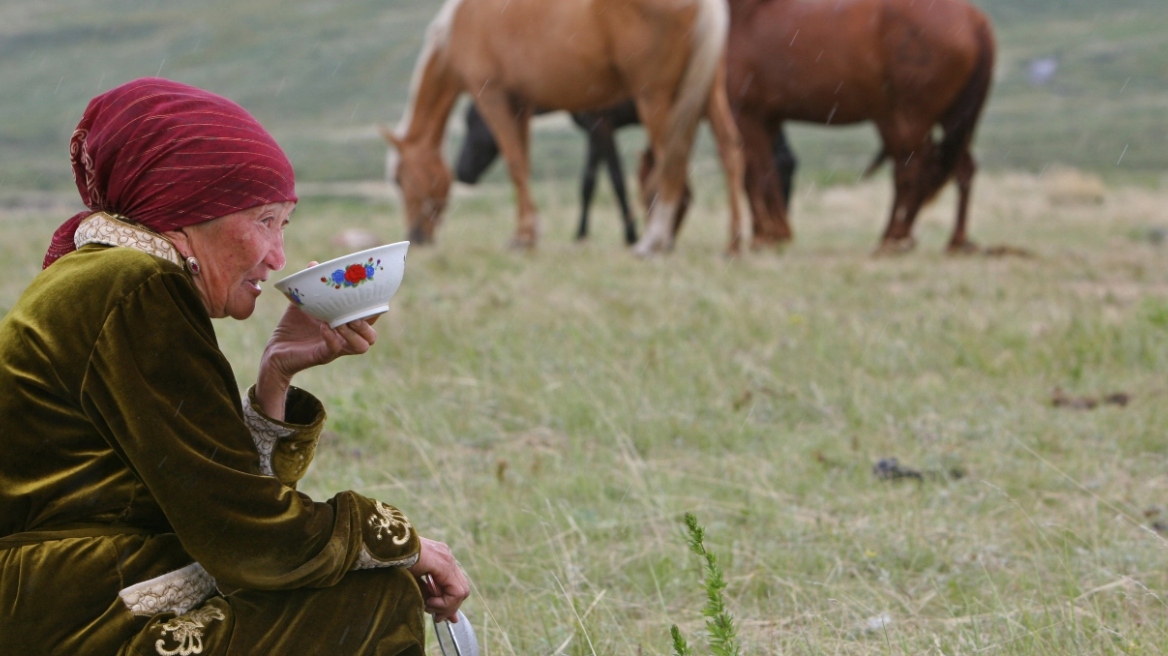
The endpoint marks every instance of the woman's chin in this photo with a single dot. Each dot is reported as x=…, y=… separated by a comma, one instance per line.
x=240, y=311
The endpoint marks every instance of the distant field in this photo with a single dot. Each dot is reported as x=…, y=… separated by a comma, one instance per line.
x=552, y=416
x=322, y=74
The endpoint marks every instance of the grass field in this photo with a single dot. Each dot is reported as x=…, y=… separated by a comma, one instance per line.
x=553, y=415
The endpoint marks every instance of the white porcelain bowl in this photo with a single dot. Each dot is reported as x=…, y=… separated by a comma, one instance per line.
x=351, y=287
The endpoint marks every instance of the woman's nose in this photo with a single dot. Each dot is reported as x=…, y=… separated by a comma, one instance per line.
x=275, y=259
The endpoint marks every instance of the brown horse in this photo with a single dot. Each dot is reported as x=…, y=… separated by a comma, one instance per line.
x=515, y=55
x=919, y=69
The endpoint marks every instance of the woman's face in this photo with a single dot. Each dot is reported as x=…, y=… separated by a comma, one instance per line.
x=235, y=253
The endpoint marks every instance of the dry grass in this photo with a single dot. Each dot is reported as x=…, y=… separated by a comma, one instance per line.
x=553, y=415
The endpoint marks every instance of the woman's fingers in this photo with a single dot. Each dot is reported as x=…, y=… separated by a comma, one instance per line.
x=358, y=336
x=334, y=341
x=445, y=585
x=364, y=328
x=453, y=590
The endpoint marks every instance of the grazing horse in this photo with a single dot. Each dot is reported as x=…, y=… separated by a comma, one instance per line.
x=479, y=150
x=919, y=69
x=515, y=55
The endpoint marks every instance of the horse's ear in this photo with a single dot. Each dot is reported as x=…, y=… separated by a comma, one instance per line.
x=387, y=134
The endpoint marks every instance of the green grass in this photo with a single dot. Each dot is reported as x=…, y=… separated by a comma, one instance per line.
x=552, y=416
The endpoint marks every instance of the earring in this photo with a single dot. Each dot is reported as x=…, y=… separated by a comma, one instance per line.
x=192, y=265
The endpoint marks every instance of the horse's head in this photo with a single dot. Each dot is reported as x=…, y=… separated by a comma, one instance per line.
x=424, y=182
x=479, y=149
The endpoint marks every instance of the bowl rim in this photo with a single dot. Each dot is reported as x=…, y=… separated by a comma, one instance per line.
x=333, y=262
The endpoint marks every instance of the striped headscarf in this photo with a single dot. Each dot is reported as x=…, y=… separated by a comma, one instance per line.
x=167, y=155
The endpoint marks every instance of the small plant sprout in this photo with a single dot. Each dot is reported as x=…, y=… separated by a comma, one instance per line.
x=719, y=623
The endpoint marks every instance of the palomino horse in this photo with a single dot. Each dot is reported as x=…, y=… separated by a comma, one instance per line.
x=912, y=67
x=479, y=150
x=515, y=55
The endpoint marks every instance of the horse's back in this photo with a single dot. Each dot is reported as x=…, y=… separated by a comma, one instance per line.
x=846, y=61
x=931, y=50
x=568, y=54
x=536, y=50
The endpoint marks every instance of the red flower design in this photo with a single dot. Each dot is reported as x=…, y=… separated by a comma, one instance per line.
x=355, y=273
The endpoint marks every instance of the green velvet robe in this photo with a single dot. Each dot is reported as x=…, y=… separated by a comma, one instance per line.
x=145, y=508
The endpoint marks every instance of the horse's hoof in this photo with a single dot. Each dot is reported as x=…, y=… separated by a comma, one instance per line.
x=963, y=248
x=895, y=246
x=773, y=232
x=768, y=242
x=646, y=250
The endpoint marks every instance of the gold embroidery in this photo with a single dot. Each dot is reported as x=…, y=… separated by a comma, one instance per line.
x=78, y=150
x=365, y=560
x=175, y=592
x=188, y=631
x=115, y=230
x=264, y=432
x=390, y=519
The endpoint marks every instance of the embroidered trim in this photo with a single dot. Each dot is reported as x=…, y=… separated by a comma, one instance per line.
x=78, y=151
x=365, y=560
x=387, y=519
x=188, y=632
x=115, y=230
x=264, y=432
x=174, y=592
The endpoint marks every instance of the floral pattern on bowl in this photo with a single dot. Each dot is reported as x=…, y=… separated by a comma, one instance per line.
x=364, y=283
x=293, y=295
x=352, y=275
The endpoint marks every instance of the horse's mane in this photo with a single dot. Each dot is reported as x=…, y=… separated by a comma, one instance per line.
x=437, y=36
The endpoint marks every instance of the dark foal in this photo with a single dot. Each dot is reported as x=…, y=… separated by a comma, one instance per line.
x=479, y=151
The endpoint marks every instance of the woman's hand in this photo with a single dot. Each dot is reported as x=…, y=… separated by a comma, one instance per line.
x=446, y=587
x=300, y=342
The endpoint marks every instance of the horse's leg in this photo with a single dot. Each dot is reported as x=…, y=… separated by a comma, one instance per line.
x=605, y=133
x=787, y=163
x=730, y=147
x=644, y=176
x=762, y=185
x=588, y=184
x=510, y=125
x=966, y=167
x=897, y=237
x=666, y=180
x=909, y=151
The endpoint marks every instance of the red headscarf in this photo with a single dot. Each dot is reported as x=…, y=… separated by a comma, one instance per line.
x=168, y=155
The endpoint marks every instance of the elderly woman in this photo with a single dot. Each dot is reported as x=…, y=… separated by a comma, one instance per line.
x=146, y=506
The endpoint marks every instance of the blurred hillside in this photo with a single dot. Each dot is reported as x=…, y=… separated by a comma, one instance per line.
x=321, y=73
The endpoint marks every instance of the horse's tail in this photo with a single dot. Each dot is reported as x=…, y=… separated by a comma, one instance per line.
x=710, y=30
x=959, y=121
